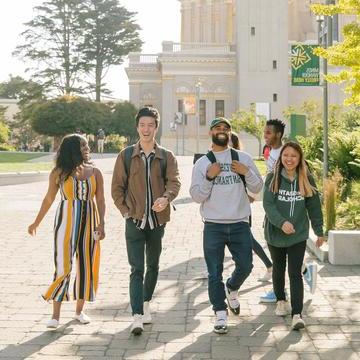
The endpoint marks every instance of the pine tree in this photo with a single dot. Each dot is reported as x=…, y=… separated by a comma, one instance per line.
x=110, y=33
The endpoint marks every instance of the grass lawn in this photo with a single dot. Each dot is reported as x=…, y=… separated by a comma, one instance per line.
x=23, y=167
x=17, y=162
x=15, y=157
x=261, y=166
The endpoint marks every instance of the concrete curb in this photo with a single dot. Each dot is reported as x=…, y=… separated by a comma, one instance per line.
x=321, y=253
x=16, y=178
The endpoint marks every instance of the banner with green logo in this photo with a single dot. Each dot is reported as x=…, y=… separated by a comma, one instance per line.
x=304, y=66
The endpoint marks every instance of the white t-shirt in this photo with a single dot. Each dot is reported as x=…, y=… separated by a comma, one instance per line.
x=272, y=159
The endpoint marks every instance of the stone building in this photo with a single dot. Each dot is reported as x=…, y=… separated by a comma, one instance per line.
x=232, y=54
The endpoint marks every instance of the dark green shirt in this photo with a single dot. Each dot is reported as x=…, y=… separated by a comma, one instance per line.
x=289, y=205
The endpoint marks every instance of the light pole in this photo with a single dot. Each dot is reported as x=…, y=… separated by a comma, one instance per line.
x=325, y=40
x=197, y=95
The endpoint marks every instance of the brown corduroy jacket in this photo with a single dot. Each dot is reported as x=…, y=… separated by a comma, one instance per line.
x=129, y=193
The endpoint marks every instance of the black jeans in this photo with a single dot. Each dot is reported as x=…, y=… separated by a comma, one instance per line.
x=295, y=254
x=141, y=245
x=259, y=251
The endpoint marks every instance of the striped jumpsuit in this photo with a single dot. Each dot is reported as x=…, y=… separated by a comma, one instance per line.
x=75, y=222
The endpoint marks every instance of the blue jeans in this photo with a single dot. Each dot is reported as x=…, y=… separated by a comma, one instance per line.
x=238, y=239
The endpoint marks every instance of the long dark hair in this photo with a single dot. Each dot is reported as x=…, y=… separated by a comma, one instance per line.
x=306, y=189
x=236, y=143
x=69, y=156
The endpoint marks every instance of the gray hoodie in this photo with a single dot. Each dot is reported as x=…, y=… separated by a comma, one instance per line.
x=224, y=200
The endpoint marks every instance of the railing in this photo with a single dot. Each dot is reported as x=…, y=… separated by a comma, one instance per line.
x=136, y=59
x=169, y=46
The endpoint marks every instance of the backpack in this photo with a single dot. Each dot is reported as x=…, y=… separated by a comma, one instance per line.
x=234, y=156
x=128, y=155
x=101, y=135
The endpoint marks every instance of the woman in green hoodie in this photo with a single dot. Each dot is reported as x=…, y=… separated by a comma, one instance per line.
x=290, y=200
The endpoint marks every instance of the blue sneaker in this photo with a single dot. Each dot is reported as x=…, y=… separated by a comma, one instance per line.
x=270, y=297
x=310, y=276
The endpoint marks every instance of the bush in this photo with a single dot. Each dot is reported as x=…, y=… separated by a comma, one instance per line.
x=348, y=212
x=114, y=143
x=4, y=132
x=343, y=154
x=6, y=147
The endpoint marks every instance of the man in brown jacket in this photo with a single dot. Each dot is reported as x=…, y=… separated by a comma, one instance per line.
x=145, y=181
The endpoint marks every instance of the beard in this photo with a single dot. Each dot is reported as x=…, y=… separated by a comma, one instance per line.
x=220, y=141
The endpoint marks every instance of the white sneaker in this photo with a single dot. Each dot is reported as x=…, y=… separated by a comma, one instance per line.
x=232, y=299
x=137, y=326
x=267, y=276
x=52, y=323
x=297, y=322
x=146, y=318
x=220, y=326
x=83, y=318
x=282, y=308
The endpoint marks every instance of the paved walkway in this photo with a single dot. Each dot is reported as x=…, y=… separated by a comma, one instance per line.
x=182, y=327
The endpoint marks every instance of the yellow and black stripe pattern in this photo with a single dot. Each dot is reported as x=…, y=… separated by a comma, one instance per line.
x=75, y=222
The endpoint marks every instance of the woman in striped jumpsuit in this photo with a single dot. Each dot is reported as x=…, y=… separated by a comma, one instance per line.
x=79, y=223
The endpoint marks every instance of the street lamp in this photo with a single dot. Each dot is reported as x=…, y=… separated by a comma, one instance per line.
x=325, y=40
x=197, y=95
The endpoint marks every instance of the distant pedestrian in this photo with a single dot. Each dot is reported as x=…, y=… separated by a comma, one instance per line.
x=290, y=200
x=218, y=184
x=100, y=140
x=79, y=223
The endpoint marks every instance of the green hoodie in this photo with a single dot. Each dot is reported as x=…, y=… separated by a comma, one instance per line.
x=289, y=205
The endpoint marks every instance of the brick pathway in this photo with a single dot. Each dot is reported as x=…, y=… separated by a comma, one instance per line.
x=182, y=326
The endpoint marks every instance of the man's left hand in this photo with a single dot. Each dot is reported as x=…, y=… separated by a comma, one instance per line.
x=239, y=168
x=160, y=204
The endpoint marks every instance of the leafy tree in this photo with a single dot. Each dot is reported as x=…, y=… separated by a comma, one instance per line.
x=343, y=137
x=347, y=52
x=51, y=43
x=251, y=123
x=110, y=33
x=23, y=90
x=123, y=121
x=4, y=129
x=66, y=114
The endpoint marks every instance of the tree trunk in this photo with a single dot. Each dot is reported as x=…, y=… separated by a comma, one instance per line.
x=98, y=72
x=66, y=40
x=260, y=148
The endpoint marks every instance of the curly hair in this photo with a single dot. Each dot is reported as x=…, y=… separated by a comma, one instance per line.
x=279, y=126
x=69, y=155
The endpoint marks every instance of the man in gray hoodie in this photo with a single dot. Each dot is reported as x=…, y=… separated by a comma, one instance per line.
x=219, y=182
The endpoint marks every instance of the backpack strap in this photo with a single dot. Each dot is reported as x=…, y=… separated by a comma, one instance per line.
x=127, y=158
x=210, y=155
x=235, y=156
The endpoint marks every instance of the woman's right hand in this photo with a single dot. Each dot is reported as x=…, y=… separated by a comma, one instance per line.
x=32, y=229
x=288, y=228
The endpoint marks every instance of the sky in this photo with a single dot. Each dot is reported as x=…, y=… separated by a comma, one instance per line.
x=159, y=20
